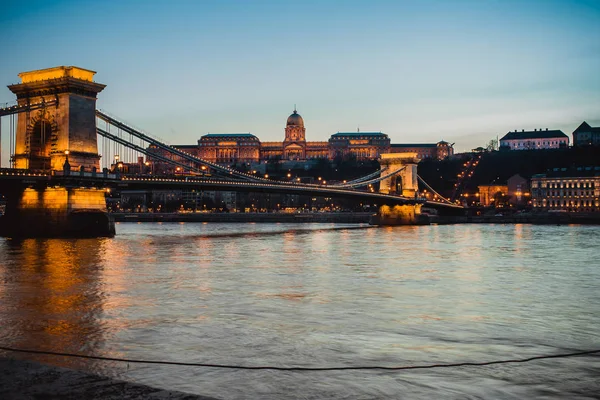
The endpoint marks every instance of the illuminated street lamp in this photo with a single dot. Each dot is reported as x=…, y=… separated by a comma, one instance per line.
x=66, y=165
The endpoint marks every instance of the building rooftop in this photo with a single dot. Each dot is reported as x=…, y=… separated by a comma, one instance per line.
x=535, y=134
x=410, y=145
x=573, y=172
x=228, y=135
x=585, y=127
x=358, y=134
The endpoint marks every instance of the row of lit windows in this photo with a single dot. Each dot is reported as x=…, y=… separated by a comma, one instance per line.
x=538, y=143
x=571, y=193
x=570, y=185
x=563, y=203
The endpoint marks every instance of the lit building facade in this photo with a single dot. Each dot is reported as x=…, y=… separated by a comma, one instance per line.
x=585, y=135
x=231, y=148
x=438, y=151
x=518, y=190
x=574, y=190
x=534, y=140
x=362, y=145
x=488, y=194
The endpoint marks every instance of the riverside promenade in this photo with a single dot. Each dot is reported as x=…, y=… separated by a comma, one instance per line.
x=24, y=380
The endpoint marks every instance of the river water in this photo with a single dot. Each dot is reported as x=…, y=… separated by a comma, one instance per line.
x=315, y=295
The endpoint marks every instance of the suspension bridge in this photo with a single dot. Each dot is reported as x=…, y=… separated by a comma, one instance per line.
x=64, y=153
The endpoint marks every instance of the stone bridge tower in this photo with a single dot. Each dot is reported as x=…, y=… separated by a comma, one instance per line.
x=405, y=182
x=67, y=125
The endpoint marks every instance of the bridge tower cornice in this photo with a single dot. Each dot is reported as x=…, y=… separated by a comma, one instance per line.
x=52, y=87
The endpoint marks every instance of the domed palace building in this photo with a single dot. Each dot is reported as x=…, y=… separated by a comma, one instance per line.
x=229, y=148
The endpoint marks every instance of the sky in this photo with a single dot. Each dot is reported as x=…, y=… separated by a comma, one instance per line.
x=420, y=71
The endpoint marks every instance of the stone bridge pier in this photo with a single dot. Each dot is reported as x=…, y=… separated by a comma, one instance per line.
x=404, y=184
x=56, y=212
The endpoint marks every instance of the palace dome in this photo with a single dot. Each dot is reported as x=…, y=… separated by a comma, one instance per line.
x=295, y=119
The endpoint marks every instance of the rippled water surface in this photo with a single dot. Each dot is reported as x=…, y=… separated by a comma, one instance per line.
x=315, y=295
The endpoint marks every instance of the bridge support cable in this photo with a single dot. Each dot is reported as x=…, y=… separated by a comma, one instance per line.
x=445, y=200
x=124, y=143
x=119, y=141
x=110, y=120
x=11, y=149
x=366, y=183
x=366, y=177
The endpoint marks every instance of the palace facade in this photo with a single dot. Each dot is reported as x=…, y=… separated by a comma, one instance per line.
x=230, y=148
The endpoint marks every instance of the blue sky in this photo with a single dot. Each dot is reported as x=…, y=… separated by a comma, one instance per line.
x=420, y=71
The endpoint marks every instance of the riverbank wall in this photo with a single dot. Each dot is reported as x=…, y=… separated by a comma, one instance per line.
x=358, y=218
x=341, y=218
x=534, y=218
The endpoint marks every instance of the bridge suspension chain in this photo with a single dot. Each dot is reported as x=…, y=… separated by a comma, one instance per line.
x=369, y=182
x=366, y=177
x=123, y=143
x=175, y=151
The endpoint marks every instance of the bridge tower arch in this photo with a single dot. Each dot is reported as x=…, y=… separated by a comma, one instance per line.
x=69, y=124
